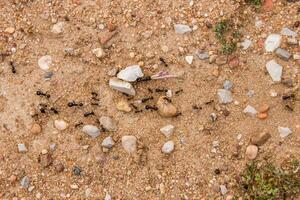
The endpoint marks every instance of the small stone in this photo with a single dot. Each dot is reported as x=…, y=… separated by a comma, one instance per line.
x=12, y=178
x=169, y=93
x=259, y=139
x=22, y=148
x=262, y=115
x=221, y=60
x=112, y=72
x=44, y=62
x=74, y=187
x=296, y=56
x=121, y=86
x=288, y=32
x=275, y=70
x=182, y=29
x=91, y=130
x=45, y=160
x=225, y=96
x=108, y=142
x=129, y=143
x=58, y=28
x=223, y=189
x=123, y=105
x=202, y=55
x=60, y=125
x=246, y=44
x=250, y=110
x=77, y=171
x=251, y=152
x=98, y=52
x=9, y=30
x=212, y=58
x=189, y=59
x=107, y=197
x=165, y=48
x=283, y=54
x=35, y=129
x=216, y=144
x=292, y=41
x=250, y=93
x=168, y=147
x=167, y=130
x=272, y=42
x=53, y=147
x=228, y=85
x=25, y=182
x=48, y=75
x=165, y=107
x=108, y=123
x=264, y=108
x=131, y=73
x=284, y=131
x=59, y=167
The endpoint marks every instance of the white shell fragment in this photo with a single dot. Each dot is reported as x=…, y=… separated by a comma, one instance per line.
x=131, y=73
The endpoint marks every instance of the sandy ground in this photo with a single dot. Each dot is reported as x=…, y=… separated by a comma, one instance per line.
x=144, y=29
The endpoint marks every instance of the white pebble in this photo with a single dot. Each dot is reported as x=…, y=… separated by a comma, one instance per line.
x=108, y=142
x=60, y=125
x=284, y=131
x=22, y=148
x=167, y=130
x=91, y=130
x=131, y=73
x=168, y=147
x=44, y=62
x=129, y=143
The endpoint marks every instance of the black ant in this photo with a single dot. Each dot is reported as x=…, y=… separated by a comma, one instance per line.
x=148, y=107
x=161, y=90
x=78, y=124
x=13, y=67
x=95, y=104
x=54, y=110
x=146, y=99
x=209, y=102
x=72, y=104
x=167, y=99
x=88, y=114
x=43, y=108
x=143, y=79
x=150, y=90
x=40, y=93
x=286, y=97
x=179, y=91
x=195, y=107
x=163, y=61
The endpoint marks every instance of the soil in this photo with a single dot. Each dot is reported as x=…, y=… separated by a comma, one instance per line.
x=142, y=32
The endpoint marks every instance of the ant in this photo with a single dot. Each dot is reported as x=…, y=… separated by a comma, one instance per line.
x=72, y=104
x=88, y=114
x=179, y=91
x=286, y=97
x=40, y=93
x=146, y=99
x=161, y=90
x=78, y=124
x=209, y=102
x=167, y=99
x=13, y=67
x=42, y=108
x=148, y=107
x=163, y=61
x=54, y=110
x=195, y=107
x=143, y=79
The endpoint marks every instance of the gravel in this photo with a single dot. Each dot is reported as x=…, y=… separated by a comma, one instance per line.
x=168, y=147
x=272, y=42
x=274, y=70
x=91, y=130
x=108, y=142
x=167, y=130
x=129, y=143
x=182, y=29
x=225, y=96
x=108, y=123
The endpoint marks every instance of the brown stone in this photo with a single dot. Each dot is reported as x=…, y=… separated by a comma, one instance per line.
x=264, y=108
x=251, y=152
x=59, y=168
x=234, y=62
x=111, y=26
x=165, y=107
x=260, y=138
x=106, y=37
x=12, y=178
x=45, y=160
x=221, y=60
x=35, y=129
x=262, y=115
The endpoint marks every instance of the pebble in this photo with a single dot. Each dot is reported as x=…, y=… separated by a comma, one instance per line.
x=166, y=108
x=292, y=41
x=35, y=129
x=246, y=44
x=44, y=62
x=108, y=142
x=260, y=139
x=60, y=125
x=168, y=147
x=45, y=160
x=98, y=52
x=59, y=167
x=223, y=189
x=250, y=110
x=228, y=85
x=107, y=197
x=272, y=42
x=74, y=187
x=91, y=130
x=48, y=75
x=251, y=152
x=12, y=178
x=182, y=29
x=129, y=143
x=264, y=108
x=202, y=55
x=22, y=148
x=274, y=70
x=112, y=72
x=25, y=182
x=121, y=86
x=288, y=32
x=58, y=27
x=250, y=93
x=221, y=60
x=108, y=123
x=167, y=130
x=283, y=54
x=76, y=171
x=212, y=58
x=123, y=105
x=225, y=96
x=262, y=115
x=10, y=30
x=296, y=56
x=284, y=131
x=131, y=73
x=189, y=59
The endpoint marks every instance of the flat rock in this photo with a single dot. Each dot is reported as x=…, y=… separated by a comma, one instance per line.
x=284, y=131
x=228, y=85
x=22, y=148
x=250, y=110
x=189, y=59
x=108, y=142
x=167, y=130
x=288, y=32
x=44, y=62
x=121, y=86
x=131, y=73
x=225, y=96
x=261, y=138
x=274, y=70
x=251, y=152
x=202, y=55
x=91, y=130
x=283, y=54
x=60, y=125
x=182, y=29
x=168, y=147
x=129, y=143
x=108, y=123
x=246, y=44
x=58, y=28
x=272, y=42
